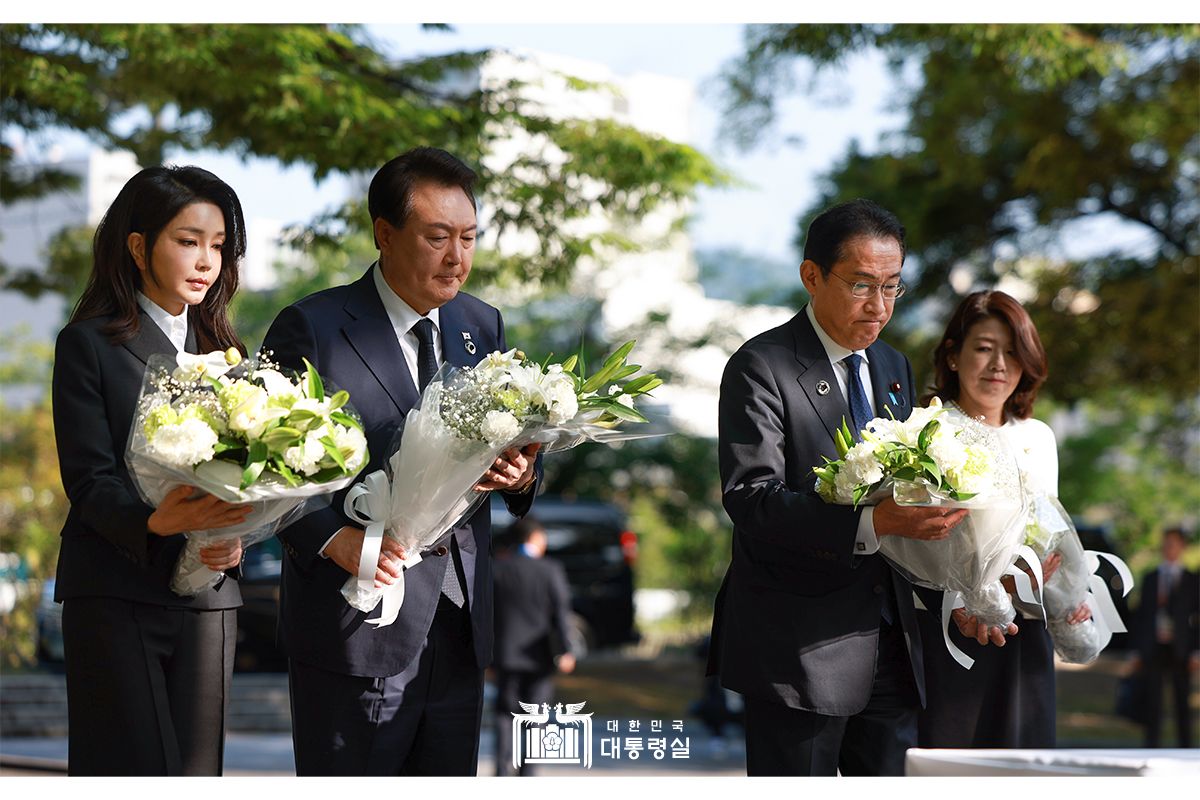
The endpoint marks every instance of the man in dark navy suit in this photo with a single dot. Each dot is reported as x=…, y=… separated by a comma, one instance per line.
x=406, y=698
x=1167, y=638
x=533, y=614
x=811, y=625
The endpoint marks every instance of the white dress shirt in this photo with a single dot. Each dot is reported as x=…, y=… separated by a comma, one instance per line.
x=403, y=318
x=175, y=327
x=865, y=542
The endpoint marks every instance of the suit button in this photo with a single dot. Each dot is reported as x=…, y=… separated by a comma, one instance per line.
x=441, y=550
x=878, y=590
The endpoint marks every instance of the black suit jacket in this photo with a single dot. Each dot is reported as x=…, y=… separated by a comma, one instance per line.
x=797, y=617
x=533, y=609
x=1183, y=605
x=346, y=333
x=106, y=548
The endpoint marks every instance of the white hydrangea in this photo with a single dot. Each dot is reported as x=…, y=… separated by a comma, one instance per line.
x=862, y=467
x=353, y=445
x=185, y=443
x=305, y=457
x=500, y=427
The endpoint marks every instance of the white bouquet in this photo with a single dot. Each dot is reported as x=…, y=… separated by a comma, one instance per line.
x=246, y=433
x=1049, y=530
x=941, y=457
x=465, y=419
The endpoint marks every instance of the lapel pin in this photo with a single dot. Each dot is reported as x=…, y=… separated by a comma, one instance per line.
x=822, y=388
x=467, y=343
x=894, y=392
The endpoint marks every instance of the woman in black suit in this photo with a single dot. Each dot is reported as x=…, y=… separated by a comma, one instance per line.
x=148, y=672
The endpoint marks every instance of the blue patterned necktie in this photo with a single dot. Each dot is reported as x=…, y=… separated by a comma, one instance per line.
x=860, y=406
x=427, y=367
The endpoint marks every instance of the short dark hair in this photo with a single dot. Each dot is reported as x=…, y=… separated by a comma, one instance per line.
x=1177, y=530
x=1026, y=342
x=390, y=194
x=146, y=204
x=834, y=227
x=523, y=529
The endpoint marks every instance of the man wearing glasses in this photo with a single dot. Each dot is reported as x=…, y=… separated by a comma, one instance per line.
x=811, y=625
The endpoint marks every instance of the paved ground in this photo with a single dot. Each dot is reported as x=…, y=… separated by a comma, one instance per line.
x=271, y=754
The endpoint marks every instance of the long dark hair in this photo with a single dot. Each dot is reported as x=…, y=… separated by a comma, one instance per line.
x=1026, y=343
x=146, y=203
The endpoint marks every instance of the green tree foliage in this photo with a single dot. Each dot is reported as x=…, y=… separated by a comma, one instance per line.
x=32, y=503
x=1014, y=133
x=327, y=97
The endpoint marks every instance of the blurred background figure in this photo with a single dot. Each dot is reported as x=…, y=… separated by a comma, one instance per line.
x=533, y=608
x=1167, y=631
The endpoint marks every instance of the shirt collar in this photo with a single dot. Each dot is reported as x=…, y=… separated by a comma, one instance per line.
x=401, y=314
x=834, y=351
x=174, y=326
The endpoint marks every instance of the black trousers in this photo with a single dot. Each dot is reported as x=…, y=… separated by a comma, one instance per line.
x=423, y=721
x=787, y=741
x=511, y=687
x=1167, y=668
x=147, y=687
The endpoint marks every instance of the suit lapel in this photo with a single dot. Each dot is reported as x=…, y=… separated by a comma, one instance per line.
x=149, y=340
x=189, y=343
x=816, y=376
x=888, y=385
x=456, y=333
x=372, y=336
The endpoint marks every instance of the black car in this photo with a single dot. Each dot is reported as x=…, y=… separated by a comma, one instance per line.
x=592, y=541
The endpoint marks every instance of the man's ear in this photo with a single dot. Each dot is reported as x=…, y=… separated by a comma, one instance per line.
x=136, y=243
x=384, y=231
x=808, y=274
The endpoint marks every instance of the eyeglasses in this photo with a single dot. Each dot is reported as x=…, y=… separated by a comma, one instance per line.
x=863, y=290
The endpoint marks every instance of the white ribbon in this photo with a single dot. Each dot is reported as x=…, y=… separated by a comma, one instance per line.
x=369, y=503
x=951, y=601
x=1025, y=590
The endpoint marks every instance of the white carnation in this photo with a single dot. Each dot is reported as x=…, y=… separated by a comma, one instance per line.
x=353, y=445
x=861, y=465
x=185, y=443
x=844, y=485
x=500, y=427
x=304, y=457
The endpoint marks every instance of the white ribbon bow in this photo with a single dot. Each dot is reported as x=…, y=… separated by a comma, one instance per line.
x=369, y=503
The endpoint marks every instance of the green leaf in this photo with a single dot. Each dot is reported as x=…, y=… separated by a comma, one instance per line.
x=252, y=471
x=280, y=467
x=257, y=452
x=345, y=419
x=281, y=438
x=327, y=474
x=338, y=400
x=313, y=386
x=624, y=412
x=926, y=435
x=642, y=385
x=334, y=452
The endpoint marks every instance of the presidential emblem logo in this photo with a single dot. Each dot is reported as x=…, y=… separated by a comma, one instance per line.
x=558, y=735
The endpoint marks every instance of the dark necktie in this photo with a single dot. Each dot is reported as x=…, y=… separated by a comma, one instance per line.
x=860, y=415
x=860, y=406
x=427, y=367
